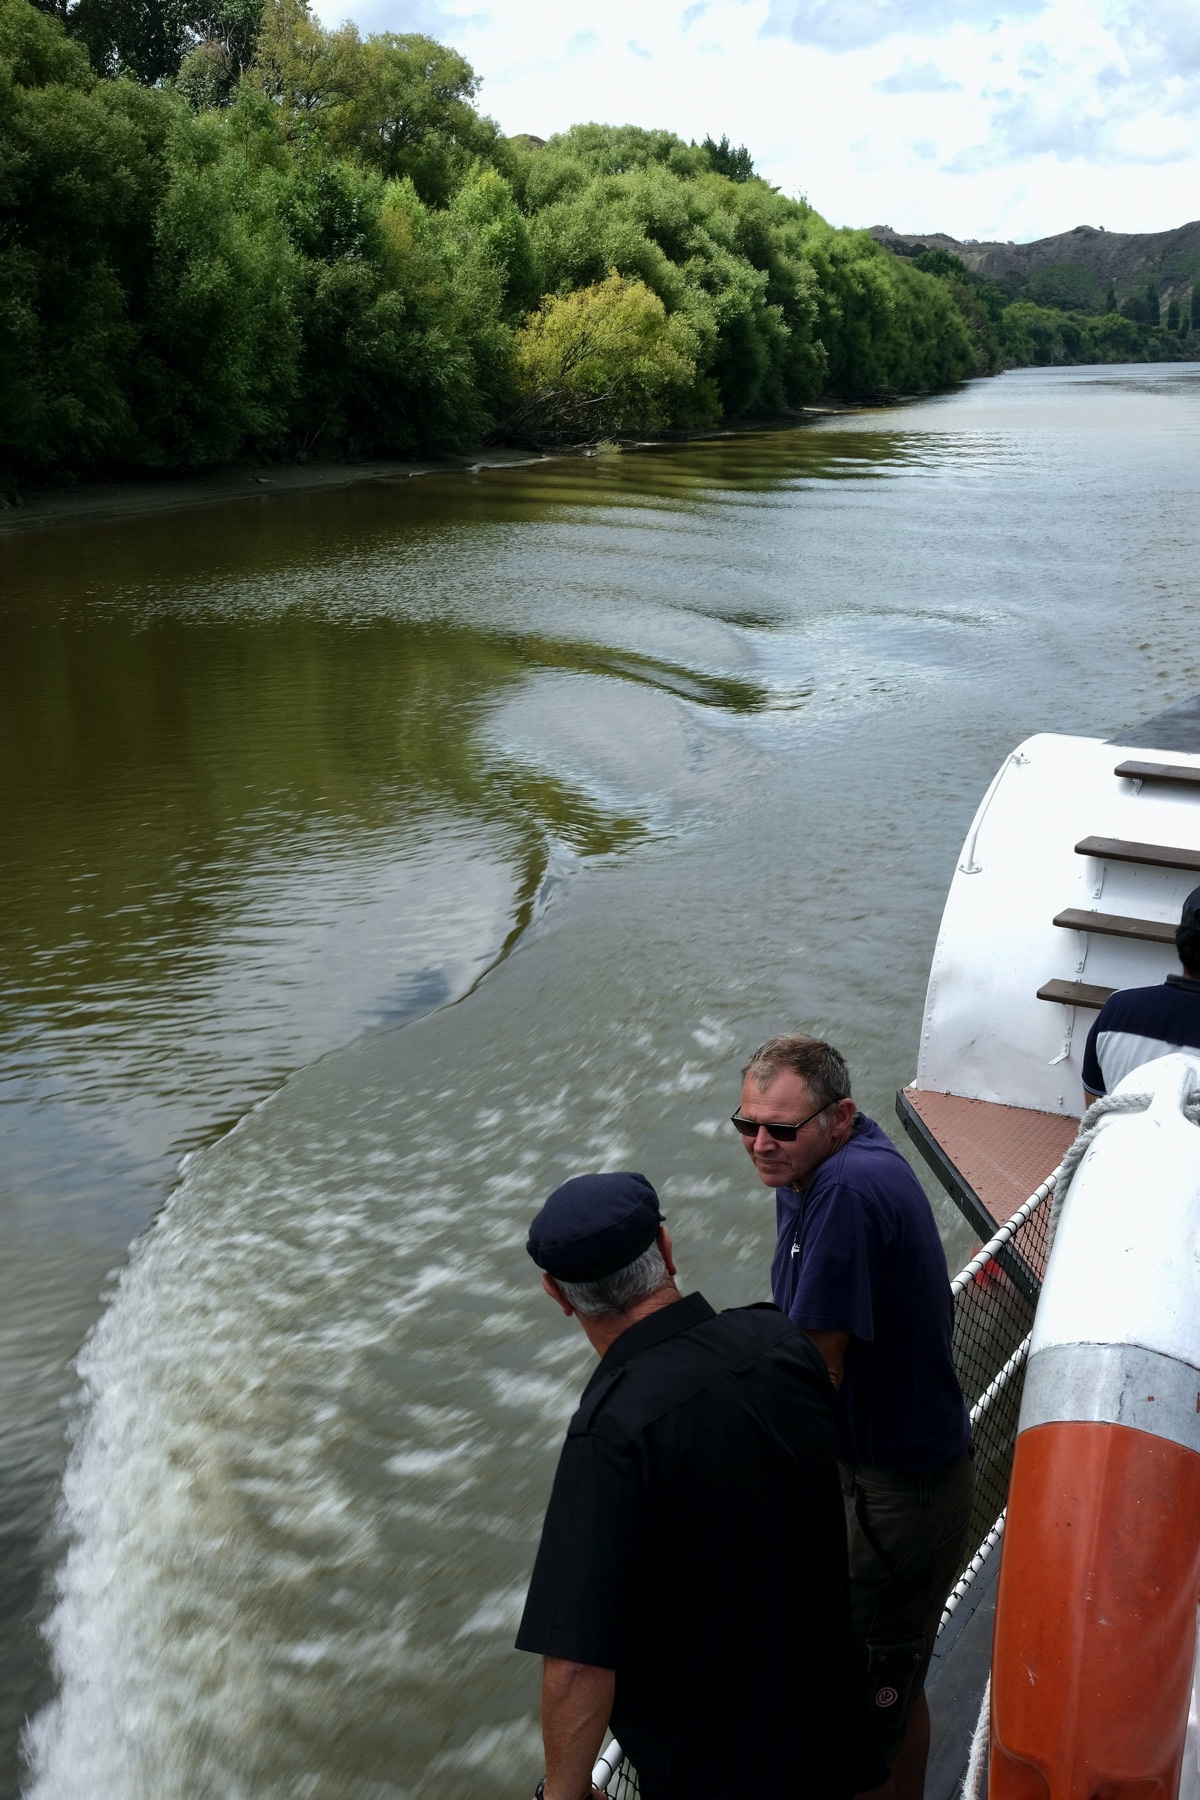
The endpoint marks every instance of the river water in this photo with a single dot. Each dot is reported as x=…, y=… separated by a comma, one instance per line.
x=374, y=860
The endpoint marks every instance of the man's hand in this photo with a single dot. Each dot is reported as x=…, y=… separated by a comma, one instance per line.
x=832, y=1345
x=576, y=1703
x=595, y=1794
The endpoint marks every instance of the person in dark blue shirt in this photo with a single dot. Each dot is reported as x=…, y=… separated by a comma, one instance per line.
x=1136, y=1025
x=859, y=1267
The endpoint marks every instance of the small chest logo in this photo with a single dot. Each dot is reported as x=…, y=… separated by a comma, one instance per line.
x=887, y=1696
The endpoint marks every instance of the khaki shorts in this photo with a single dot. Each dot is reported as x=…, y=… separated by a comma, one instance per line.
x=907, y=1534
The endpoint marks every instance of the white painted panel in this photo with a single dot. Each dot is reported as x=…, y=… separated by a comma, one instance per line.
x=1126, y=1262
x=985, y=1033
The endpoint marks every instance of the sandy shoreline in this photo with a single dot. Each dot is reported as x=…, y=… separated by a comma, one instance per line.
x=46, y=508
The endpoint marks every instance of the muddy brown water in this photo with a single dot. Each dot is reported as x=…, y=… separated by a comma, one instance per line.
x=374, y=858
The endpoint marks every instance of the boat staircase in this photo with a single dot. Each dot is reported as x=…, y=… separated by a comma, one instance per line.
x=1130, y=856
x=1069, y=887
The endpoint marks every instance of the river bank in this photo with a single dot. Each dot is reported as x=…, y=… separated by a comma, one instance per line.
x=84, y=502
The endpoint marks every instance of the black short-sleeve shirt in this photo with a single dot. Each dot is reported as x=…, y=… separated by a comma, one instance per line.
x=695, y=1542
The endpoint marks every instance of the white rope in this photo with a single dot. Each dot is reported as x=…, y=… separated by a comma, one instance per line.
x=971, y=1571
x=1089, y=1125
x=977, y=1761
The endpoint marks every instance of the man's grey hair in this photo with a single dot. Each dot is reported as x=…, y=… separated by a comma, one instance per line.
x=615, y=1294
x=817, y=1063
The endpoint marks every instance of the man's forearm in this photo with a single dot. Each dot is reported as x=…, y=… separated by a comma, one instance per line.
x=576, y=1702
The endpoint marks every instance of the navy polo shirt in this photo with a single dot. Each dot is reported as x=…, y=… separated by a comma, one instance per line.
x=858, y=1251
x=1136, y=1025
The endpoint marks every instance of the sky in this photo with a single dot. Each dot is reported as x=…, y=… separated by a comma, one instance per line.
x=1006, y=119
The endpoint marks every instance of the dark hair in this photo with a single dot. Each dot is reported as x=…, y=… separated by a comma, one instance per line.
x=1187, y=945
x=817, y=1063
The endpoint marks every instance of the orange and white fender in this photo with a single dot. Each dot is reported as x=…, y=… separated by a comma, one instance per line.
x=1095, y=1639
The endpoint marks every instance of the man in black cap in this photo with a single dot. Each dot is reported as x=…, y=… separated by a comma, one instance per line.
x=691, y=1587
x=1135, y=1025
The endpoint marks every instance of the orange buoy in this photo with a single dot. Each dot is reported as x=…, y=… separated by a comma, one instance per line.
x=1095, y=1639
x=1096, y=1616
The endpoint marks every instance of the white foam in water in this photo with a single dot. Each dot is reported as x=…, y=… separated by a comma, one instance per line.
x=318, y=1426
x=211, y=1501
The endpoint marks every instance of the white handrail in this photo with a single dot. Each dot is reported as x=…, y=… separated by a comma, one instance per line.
x=971, y=1571
x=607, y=1766
x=1000, y=1381
x=1008, y=1230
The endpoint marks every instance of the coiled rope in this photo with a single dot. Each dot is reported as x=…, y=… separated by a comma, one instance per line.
x=1089, y=1125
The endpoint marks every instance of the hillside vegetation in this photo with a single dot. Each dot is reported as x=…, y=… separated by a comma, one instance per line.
x=228, y=233
x=1083, y=296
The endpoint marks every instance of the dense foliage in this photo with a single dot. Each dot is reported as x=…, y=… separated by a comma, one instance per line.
x=1062, y=316
x=226, y=232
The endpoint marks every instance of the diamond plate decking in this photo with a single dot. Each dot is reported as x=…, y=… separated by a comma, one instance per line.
x=988, y=1157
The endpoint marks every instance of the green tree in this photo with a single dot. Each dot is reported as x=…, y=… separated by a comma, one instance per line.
x=80, y=180
x=1110, y=299
x=723, y=159
x=886, y=326
x=220, y=345
x=606, y=358
x=1116, y=339
x=1173, y=315
x=307, y=72
x=149, y=39
x=397, y=355
x=1153, y=311
x=621, y=149
x=977, y=300
x=1065, y=287
x=1195, y=308
x=410, y=114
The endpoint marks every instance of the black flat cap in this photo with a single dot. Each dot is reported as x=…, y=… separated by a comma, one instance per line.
x=594, y=1225
x=1191, y=909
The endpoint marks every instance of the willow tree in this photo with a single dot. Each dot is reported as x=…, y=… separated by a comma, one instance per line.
x=606, y=358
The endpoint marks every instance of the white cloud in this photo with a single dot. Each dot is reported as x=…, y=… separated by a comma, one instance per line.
x=983, y=118
x=851, y=24
x=917, y=78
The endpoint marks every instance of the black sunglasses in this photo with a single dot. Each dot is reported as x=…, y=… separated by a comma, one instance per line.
x=783, y=1134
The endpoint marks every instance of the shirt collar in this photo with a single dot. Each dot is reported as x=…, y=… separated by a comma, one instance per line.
x=655, y=1328
x=797, y=1195
x=1185, y=982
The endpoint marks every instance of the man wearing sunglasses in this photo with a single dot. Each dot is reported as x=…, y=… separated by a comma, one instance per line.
x=691, y=1588
x=859, y=1267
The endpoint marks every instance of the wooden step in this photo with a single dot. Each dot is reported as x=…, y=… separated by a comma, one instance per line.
x=1153, y=771
x=1156, y=856
x=1147, y=931
x=1075, y=993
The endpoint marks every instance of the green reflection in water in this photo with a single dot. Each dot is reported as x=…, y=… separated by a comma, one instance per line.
x=253, y=808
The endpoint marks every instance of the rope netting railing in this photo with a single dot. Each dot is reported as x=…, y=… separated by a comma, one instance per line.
x=995, y=1298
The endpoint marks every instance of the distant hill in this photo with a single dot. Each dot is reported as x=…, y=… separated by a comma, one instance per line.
x=1076, y=268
